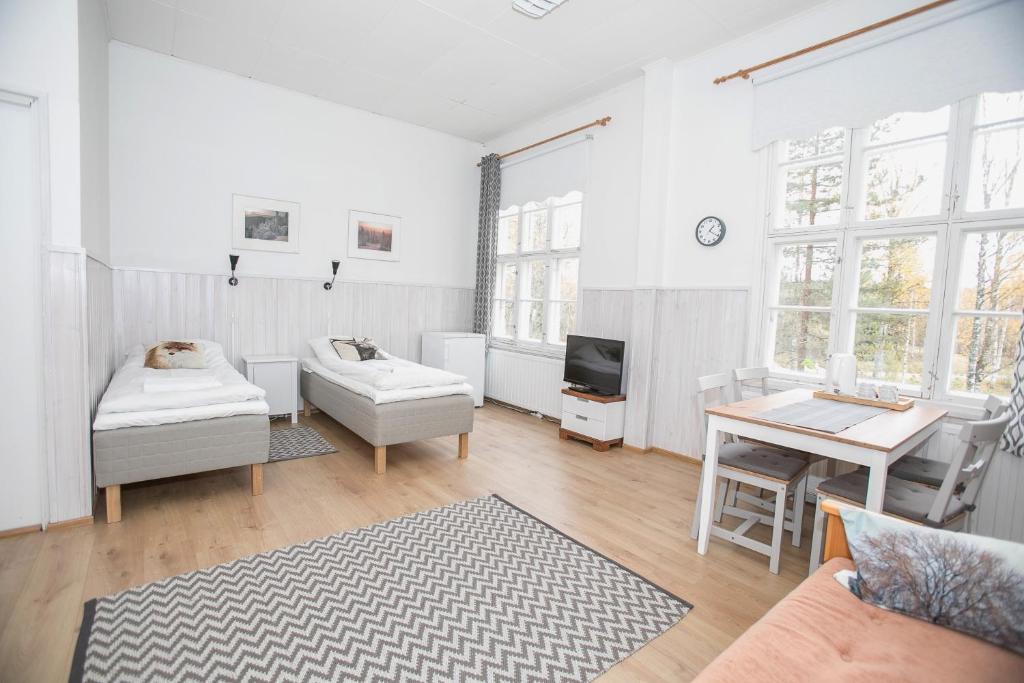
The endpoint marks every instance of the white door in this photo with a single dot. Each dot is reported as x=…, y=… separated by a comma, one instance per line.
x=22, y=461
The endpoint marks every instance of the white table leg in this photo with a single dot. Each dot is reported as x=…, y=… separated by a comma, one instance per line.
x=707, y=492
x=295, y=416
x=876, y=486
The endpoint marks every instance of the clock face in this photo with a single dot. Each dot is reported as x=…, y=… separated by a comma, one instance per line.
x=710, y=231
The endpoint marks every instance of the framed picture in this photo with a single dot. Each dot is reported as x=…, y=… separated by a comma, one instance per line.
x=265, y=224
x=374, y=236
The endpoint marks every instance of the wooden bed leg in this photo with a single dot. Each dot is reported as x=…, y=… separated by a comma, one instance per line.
x=256, y=474
x=380, y=458
x=113, y=495
x=305, y=407
x=463, y=446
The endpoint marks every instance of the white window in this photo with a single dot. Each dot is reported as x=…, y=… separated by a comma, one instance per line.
x=872, y=252
x=538, y=272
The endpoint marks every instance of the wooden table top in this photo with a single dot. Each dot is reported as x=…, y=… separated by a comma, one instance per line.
x=883, y=432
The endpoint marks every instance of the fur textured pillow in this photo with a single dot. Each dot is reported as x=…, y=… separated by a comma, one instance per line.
x=357, y=349
x=172, y=355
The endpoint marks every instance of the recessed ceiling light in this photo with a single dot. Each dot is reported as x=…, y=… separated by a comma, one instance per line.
x=536, y=8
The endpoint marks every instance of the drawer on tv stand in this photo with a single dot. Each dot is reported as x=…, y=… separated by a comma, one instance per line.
x=581, y=406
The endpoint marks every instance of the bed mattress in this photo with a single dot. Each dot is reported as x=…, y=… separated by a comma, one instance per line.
x=398, y=421
x=150, y=418
x=123, y=456
x=379, y=396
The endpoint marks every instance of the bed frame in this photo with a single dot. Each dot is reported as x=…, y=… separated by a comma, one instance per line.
x=133, y=454
x=386, y=424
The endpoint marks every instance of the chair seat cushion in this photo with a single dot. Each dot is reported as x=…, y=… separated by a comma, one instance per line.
x=762, y=460
x=906, y=499
x=921, y=470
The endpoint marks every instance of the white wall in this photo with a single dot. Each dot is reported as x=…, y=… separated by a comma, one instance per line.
x=39, y=54
x=610, y=213
x=93, y=96
x=184, y=138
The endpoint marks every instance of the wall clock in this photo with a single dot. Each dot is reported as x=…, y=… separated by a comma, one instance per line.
x=710, y=231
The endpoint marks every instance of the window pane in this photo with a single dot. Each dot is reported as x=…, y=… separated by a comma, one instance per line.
x=994, y=107
x=890, y=347
x=508, y=232
x=997, y=176
x=532, y=284
x=905, y=182
x=536, y=235
x=805, y=274
x=909, y=125
x=564, y=322
x=505, y=282
x=811, y=195
x=566, y=233
x=801, y=341
x=568, y=279
x=504, y=319
x=984, y=353
x=897, y=272
x=992, y=272
x=829, y=141
x=531, y=320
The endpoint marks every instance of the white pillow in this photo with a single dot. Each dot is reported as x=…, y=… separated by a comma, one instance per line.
x=322, y=349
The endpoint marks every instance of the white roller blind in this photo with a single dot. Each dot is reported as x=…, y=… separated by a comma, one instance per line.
x=920, y=64
x=551, y=173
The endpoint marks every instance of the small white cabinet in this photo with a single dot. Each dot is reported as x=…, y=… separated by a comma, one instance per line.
x=463, y=353
x=598, y=420
x=279, y=377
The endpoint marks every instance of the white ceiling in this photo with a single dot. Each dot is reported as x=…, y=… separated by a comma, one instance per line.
x=472, y=68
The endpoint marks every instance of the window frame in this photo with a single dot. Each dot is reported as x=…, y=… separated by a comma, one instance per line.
x=950, y=227
x=549, y=256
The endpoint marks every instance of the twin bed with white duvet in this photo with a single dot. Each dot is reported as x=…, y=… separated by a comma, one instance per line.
x=387, y=400
x=152, y=424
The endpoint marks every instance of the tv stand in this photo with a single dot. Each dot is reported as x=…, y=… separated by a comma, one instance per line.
x=592, y=418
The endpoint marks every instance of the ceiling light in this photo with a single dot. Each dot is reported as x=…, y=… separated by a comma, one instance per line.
x=535, y=8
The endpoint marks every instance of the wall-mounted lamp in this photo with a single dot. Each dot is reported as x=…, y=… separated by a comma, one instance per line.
x=234, y=262
x=334, y=267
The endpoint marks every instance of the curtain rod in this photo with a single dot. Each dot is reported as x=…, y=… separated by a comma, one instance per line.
x=745, y=73
x=599, y=122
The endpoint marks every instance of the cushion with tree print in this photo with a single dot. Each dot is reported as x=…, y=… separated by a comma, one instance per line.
x=349, y=348
x=972, y=584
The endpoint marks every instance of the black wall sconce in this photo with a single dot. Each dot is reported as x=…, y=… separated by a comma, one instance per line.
x=334, y=267
x=234, y=262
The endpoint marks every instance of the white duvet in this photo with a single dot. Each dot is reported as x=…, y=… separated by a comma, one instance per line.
x=225, y=392
x=356, y=384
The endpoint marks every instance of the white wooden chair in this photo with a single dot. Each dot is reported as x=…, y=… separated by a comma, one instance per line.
x=949, y=506
x=933, y=472
x=760, y=466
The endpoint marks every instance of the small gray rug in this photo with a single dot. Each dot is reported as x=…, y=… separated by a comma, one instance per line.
x=299, y=441
x=474, y=591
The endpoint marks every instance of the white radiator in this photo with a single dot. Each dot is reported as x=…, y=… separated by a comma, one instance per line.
x=526, y=381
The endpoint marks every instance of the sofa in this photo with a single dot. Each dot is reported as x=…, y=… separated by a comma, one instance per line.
x=822, y=632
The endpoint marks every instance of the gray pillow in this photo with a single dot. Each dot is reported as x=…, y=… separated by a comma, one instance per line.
x=357, y=349
x=973, y=584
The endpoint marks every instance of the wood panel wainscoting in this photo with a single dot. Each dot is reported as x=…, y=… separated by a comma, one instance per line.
x=636, y=509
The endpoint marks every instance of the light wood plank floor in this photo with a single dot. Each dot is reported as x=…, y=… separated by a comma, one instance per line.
x=634, y=508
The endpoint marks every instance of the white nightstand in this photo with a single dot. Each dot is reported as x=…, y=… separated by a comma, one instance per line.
x=279, y=377
x=598, y=420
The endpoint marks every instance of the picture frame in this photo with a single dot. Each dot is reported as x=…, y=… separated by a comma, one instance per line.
x=264, y=224
x=374, y=236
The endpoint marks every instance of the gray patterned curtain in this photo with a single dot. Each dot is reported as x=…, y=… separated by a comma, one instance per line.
x=1013, y=437
x=487, y=242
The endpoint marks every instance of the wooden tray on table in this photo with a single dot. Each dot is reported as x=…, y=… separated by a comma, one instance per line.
x=905, y=403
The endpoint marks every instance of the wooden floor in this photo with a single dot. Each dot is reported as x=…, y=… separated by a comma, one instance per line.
x=634, y=508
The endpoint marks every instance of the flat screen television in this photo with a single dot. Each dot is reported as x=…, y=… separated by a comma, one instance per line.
x=594, y=365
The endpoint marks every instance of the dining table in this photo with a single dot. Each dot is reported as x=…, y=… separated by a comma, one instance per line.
x=876, y=442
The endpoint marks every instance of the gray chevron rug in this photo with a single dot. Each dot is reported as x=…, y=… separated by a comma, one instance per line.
x=474, y=591
x=298, y=441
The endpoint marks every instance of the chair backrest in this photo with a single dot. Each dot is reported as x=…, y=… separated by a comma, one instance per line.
x=745, y=375
x=712, y=390
x=978, y=446
x=993, y=406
